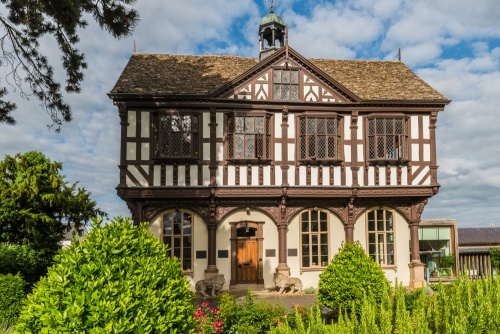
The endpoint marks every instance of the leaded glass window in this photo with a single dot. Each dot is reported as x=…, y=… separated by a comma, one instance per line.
x=178, y=235
x=249, y=137
x=381, y=236
x=286, y=84
x=176, y=135
x=314, y=238
x=387, y=138
x=319, y=138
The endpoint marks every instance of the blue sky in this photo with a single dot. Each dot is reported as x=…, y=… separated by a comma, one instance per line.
x=453, y=45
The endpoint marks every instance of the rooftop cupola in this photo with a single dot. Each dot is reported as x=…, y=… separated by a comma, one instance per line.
x=272, y=32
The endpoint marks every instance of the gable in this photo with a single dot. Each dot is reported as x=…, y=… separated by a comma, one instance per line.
x=282, y=80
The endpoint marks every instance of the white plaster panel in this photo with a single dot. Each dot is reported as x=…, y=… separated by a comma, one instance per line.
x=144, y=151
x=394, y=175
x=279, y=176
x=169, y=175
x=326, y=176
x=361, y=155
x=420, y=176
x=291, y=176
x=337, y=176
x=181, y=175
x=291, y=152
x=361, y=176
x=206, y=175
x=347, y=153
x=219, y=118
x=267, y=175
x=360, y=127
x=359, y=232
x=231, y=175
x=194, y=175
x=138, y=176
x=291, y=126
x=348, y=177
x=314, y=175
x=381, y=176
x=156, y=176
x=206, y=151
x=425, y=126
x=155, y=228
x=404, y=176
x=347, y=127
x=414, y=127
x=427, y=152
x=129, y=182
x=277, y=152
x=278, y=119
x=243, y=175
x=255, y=175
x=131, y=151
x=132, y=123
x=145, y=126
x=371, y=176
x=415, y=152
x=219, y=148
x=302, y=176
x=206, y=127
x=219, y=175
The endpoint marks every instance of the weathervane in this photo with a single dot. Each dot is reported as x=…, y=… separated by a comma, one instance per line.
x=271, y=5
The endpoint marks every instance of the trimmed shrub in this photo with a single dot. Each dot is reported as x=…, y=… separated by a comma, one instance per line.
x=117, y=280
x=351, y=275
x=12, y=296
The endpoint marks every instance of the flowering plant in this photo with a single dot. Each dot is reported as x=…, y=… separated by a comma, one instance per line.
x=208, y=319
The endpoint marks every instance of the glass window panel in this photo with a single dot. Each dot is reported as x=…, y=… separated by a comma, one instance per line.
x=239, y=124
x=305, y=239
x=186, y=123
x=186, y=265
x=321, y=147
x=390, y=259
x=321, y=126
x=305, y=262
x=371, y=237
x=303, y=147
x=285, y=76
x=295, y=77
x=305, y=226
x=372, y=249
x=250, y=146
x=177, y=228
x=323, y=216
x=314, y=226
x=380, y=214
x=194, y=125
x=187, y=254
x=324, y=260
x=167, y=241
x=294, y=93
x=259, y=125
x=186, y=241
x=371, y=215
x=371, y=225
x=277, y=92
x=331, y=126
x=311, y=125
x=323, y=226
x=305, y=216
x=239, y=146
x=249, y=125
x=177, y=252
x=380, y=225
x=305, y=249
x=312, y=146
x=285, y=92
x=315, y=260
x=277, y=76
x=177, y=242
x=324, y=238
x=314, y=240
x=314, y=215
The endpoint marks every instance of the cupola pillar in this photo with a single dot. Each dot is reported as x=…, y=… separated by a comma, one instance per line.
x=272, y=33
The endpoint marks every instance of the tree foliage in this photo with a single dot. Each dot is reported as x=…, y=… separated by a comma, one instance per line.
x=117, y=280
x=37, y=205
x=28, y=21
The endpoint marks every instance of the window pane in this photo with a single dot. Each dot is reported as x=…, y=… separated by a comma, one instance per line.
x=187, y=224
x=277, y=76
x=249, y=146
x=295, y=77
x=323, y=216
x=321, y=147
x=323, y=225
x=167, y=224
x=371, y=226
x=302, y=147
x=305, y=262
x=305, y=216
x=259, y=125
x=294, y=93
x=239, y=146
x=186, y=123
x=240, y=124
x=324, y=238
x=314, y=240
x=249, y=125
x=277, y=92
x=312, y=147
x=314, y=226
x=331, y=126
x=371, y=237
x=305, y=226
x=285, y=76
x=372, y=249
x=321, y=126
x=305, y=240
x=285, y=92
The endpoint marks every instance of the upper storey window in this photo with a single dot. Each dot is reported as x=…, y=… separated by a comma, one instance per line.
x=286, y=84
x=176, y=136
x=319, y=138
x=387, y=139
x=249, y=137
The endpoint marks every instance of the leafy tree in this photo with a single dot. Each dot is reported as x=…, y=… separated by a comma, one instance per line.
x=28, y=21
x=37, y=205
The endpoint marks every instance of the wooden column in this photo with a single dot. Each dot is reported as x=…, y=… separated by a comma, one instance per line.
x=213, y=147
x=284, y=147
x=354, y=149
x=122, y=111
x=212, y=238
x=432, y=134
x=282, y=268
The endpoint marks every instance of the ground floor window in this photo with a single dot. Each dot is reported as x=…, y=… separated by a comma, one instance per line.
x=381, y=236
x=178, y=234
x=314, y=238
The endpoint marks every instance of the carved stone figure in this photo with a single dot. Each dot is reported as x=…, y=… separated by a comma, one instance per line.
x=215, y=283
x=282, y=282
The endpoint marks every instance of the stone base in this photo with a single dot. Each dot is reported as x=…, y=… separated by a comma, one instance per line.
x=417, y=278
x=211, y=271
x=283, y=268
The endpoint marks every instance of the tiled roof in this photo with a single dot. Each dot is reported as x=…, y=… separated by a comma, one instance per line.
x=479, y=236
x=201, y=75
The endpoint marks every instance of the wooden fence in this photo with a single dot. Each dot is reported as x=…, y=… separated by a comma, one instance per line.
x=475, y=265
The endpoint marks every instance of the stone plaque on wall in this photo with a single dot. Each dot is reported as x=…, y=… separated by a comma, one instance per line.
x=292, y=252
x=201, y=254
x=270, y=252
x=223, y=254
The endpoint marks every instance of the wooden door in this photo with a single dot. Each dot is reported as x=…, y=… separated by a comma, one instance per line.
x=246, y=261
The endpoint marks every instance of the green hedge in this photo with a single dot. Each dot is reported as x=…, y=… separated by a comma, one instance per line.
x=12, y=296
x=117, y=280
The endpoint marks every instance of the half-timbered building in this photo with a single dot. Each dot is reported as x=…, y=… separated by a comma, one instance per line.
x=250, y=166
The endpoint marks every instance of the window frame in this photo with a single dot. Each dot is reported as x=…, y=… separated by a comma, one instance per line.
x=181, y=236
x=339, y=139
x=321, y=264
x=290, y=84
x=196, y=150
x=406, y=127
x=268, y=133
x=383, y=233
